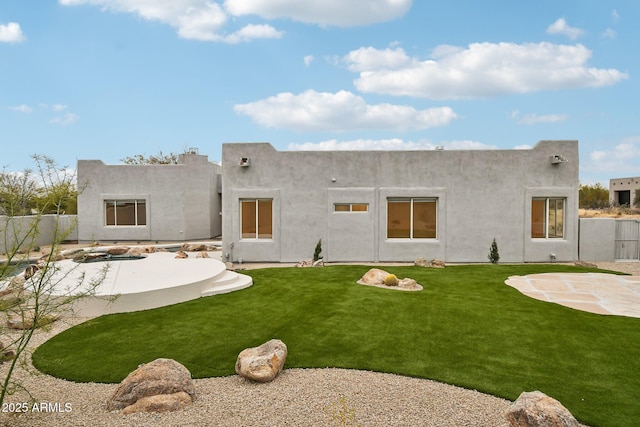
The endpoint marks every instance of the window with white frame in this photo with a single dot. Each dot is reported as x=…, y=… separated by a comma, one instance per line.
x=351, y=207
x=125, y=212
x=256, y=218
x=547, y=218
x=412, y=218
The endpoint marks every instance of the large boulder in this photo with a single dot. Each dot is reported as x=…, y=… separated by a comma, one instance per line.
x=408, y=283
x=263, y=363
x=381, y=278
x=72, y=253
x=375, y=276
x=135, y=252
x=24, y=318
x=437, y=263
x=421, y=262
x=194, y=247
x=536, y=409
x=305, y=263
x=118, y=250
x=10, y=298
x=158, y=386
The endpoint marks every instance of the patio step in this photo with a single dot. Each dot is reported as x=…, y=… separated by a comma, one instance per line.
x=229, y=281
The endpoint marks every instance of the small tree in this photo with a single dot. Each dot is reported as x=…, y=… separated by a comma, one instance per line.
x=317, y=253
x=494, y=256
x=154, y=159
x=27, y=193
x=18, y=192
x=35, y=299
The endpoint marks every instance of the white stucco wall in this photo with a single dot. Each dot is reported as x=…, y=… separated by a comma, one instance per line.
x=31, y=231
x=597, y=239
x=182, y=200
x=481, y=195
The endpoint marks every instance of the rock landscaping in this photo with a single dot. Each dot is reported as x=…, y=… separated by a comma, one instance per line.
x=382, y=279
x=159, y=386
x=536, y=409
x=263, y=363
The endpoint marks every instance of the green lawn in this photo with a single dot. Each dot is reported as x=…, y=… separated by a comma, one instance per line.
x=466, y=328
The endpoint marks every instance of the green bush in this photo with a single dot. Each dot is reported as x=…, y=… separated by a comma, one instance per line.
x=494, y=256
x=317, y=253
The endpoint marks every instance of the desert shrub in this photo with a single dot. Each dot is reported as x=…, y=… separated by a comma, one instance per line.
x=317, y=253
x=391, y=280
x=593, y=196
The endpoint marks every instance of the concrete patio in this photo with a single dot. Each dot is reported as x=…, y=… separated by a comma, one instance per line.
x=600, y=293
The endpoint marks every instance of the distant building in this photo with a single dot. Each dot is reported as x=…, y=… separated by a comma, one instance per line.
x=623, y=191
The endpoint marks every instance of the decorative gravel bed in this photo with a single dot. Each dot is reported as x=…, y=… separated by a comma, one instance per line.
x=298, y=397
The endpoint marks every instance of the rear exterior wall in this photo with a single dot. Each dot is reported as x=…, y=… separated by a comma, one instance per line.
x=182, y=200
x=481, y=195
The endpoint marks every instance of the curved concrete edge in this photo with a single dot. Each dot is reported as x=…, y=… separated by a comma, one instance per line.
x=94, y=306
x=158, y=280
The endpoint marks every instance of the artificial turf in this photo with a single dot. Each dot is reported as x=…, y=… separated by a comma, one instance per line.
x=466, y=328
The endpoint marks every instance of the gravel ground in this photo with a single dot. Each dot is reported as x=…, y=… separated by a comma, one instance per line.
x=298, y=397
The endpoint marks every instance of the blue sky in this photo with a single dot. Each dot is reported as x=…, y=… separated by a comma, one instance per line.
x=106, y=79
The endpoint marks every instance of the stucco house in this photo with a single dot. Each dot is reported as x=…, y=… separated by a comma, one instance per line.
x=149, y=202
x=400, y=205
x=623, y=191
x=271, y=205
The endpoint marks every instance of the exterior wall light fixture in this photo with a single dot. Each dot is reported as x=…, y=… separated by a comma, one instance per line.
x=557, y=159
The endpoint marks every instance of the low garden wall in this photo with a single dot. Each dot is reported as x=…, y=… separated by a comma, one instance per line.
x=14, y=229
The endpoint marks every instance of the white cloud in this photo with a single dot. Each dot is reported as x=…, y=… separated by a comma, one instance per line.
x=339, y=13
x=67, y=119
x=251, y=32
x=394, y=144
x=58, y=107
x=561, y=27
x=609, y=34
x=192, y=19
x=480, y=70
x=614, y=16
x=11, y=33
x=206, y=19
x=22, y=108
x=621, y=160
x=308, y=60
x=369, y=58
x=532, y=119
x=341, y=111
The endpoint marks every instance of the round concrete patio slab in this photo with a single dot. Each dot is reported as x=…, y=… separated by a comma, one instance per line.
x=156, y=280
x=600, y=293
